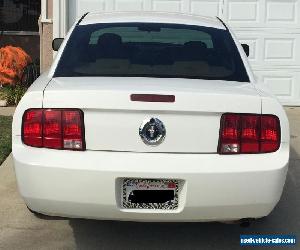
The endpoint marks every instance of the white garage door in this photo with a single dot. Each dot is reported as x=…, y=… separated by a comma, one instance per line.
x=270, y=27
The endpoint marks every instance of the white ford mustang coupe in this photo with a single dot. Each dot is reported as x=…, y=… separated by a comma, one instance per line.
x=150, y=117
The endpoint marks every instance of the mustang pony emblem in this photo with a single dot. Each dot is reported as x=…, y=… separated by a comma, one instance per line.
x=152, y=131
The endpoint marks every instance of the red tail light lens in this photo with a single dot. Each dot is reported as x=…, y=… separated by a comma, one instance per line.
x=32, y=128
x=249, y=134
x=270, y=134
x=72, y=130
x=54, y=128
x=230, y=133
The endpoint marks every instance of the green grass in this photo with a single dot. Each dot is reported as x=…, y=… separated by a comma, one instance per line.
x=5, y=137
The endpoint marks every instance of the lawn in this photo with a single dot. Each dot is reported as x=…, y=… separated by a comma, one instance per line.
x=5, y=137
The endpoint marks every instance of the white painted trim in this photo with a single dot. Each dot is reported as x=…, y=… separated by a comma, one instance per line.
x=56, y=19
x=44, y=11
x=60, y=18
x=46, y=20
x=64, y=14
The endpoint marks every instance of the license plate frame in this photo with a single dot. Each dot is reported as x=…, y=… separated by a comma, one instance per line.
x=131, y=184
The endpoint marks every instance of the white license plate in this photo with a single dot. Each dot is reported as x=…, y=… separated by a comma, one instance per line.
x=150, y=194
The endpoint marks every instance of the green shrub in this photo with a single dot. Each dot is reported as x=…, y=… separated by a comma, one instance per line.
x=12, y=94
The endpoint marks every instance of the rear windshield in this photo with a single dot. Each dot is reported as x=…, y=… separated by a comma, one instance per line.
x=151, y=50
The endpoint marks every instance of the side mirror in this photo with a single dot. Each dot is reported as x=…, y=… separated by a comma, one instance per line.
x=56, y=43
x=246, y=49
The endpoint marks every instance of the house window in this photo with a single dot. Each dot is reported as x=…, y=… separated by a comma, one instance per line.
x=19, y=15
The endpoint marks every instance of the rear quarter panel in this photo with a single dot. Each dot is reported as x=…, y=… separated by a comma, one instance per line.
x=271, y=105
x=32, y=99
x=269, y=102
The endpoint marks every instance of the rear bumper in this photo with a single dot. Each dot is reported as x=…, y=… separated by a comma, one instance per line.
x=87, y=184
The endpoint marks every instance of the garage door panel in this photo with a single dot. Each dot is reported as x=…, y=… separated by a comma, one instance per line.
x=282, y=83
x=262, y=13
x=280, y=50
x=88, y=5
x=239, y=11
x=243, y=13
x=167, y=5
x=282, y=12
x=127, y=5
x=268, y=48
x=206, y=7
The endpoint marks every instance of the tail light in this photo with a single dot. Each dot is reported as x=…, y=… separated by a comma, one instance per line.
x=249, y=134
x=32, y=128
x=54, y=128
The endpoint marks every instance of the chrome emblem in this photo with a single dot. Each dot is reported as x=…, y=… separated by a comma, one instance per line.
x=152, y=131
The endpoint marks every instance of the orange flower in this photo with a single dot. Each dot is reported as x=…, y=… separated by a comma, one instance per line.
x=13, y=60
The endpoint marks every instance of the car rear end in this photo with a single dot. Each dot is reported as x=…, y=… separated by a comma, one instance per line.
x=160, y=145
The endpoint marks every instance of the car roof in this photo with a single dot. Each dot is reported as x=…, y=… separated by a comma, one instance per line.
x=152, y=17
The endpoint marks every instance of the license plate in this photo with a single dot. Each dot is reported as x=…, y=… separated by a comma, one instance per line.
x=150, y=194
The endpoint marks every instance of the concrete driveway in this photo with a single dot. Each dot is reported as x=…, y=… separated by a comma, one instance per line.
x=19, y=229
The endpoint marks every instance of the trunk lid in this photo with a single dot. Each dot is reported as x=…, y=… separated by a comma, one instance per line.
x=112, y=120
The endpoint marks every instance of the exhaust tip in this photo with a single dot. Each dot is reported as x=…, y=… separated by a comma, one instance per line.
x=246, y=222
